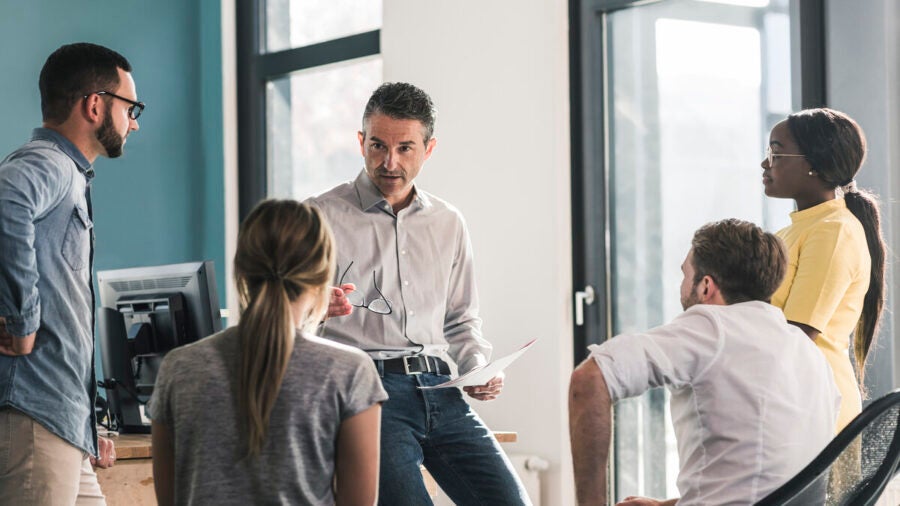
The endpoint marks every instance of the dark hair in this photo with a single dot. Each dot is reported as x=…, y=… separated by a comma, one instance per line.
x=73, y=71
x=835, y=147
x=746, y=262
x=285, y=249
x=402, y=101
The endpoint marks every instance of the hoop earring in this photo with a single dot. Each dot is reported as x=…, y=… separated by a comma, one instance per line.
x=812, y=172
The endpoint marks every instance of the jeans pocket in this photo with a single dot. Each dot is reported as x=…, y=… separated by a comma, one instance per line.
x=76, y=246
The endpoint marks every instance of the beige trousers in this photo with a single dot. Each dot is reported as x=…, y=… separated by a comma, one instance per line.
x=38, y=468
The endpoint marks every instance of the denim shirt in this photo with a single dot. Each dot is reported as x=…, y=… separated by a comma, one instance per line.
x=46, y=247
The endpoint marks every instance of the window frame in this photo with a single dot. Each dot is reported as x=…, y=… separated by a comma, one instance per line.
x=592, y=231
x=255, y=68
x=588, y=87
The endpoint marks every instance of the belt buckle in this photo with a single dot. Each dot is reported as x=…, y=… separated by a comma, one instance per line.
x=406, y=364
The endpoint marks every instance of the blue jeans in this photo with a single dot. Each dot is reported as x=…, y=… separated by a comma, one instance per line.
x=438, y=428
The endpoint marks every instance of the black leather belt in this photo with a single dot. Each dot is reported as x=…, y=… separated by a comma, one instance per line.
x=415, y=364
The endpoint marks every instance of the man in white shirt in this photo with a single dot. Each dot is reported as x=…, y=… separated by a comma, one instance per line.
x=752, y=399
x=406, y=295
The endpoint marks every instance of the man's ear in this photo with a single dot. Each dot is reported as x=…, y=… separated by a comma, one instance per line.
x=708, y=290
x=362, y=142
x=92, y=108
x=429, y=147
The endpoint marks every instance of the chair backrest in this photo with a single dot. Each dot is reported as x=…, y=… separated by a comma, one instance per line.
x=855, y=467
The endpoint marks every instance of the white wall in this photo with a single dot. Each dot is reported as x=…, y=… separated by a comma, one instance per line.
x=498, y=72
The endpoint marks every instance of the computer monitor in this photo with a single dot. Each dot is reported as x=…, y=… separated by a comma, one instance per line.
x=144, y=313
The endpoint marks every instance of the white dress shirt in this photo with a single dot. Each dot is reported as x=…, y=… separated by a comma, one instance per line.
x=421, y=260
x=753, y=400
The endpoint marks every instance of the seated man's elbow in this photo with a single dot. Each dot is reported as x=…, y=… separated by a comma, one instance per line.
x=585, y=381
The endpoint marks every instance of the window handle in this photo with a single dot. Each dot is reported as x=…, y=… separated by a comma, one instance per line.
x=583, y=298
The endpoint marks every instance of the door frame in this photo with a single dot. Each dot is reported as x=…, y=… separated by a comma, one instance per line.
x=588, y=88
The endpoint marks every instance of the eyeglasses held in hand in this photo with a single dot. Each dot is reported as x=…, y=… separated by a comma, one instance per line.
x=134, y=112
x=357, y=299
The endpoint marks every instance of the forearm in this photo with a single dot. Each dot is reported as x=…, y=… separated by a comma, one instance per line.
x=462, y=324
x=590, y=431
x=356, y=464
x=163, y=464
x=19, y=299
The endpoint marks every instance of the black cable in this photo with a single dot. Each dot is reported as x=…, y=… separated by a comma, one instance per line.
x=112, y=383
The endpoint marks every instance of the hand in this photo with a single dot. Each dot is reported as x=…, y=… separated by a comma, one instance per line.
x=645, y=501
x=107, y=451
x=14, y=346
x=487, y=392
x=339, y=305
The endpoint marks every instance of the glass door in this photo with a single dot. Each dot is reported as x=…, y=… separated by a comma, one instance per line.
x=679, y=98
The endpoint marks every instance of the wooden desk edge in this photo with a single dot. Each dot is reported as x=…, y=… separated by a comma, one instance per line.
x=506, y=436
x=137, y=446
x=132, y=446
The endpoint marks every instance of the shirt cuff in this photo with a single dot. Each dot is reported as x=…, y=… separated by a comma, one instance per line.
x=25, y=324
x=473, y=361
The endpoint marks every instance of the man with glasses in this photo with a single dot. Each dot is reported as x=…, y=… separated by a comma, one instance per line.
x=752, y=398
x=48, y=439
x=406, y=295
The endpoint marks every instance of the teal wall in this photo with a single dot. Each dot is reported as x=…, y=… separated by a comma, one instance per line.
x=163, y=201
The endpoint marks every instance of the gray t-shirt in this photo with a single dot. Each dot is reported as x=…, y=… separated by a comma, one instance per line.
x=195, y=396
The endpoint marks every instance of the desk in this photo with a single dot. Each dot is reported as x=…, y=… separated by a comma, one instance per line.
x=130, y=481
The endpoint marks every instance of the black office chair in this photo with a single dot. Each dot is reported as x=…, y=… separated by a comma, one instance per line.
x=855, y=467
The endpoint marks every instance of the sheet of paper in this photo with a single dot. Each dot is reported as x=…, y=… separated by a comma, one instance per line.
x=483, y=374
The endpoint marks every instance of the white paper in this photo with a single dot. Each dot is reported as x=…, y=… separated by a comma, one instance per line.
x=481, y=375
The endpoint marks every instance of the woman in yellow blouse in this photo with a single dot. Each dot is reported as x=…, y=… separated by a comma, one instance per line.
x=834, y=286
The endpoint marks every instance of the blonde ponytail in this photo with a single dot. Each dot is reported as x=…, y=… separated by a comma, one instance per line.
x=284, y=251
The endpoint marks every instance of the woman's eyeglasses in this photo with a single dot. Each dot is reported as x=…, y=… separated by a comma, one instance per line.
x=770, y=156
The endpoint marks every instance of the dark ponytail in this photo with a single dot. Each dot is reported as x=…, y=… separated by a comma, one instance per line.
x=835, y=146
x=864, y=206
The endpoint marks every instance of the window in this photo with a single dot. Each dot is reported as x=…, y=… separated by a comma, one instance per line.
x=669, y=132
x=305, y=71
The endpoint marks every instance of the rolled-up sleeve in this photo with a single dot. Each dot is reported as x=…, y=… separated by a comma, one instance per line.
x=29, y=186
x=674, y=355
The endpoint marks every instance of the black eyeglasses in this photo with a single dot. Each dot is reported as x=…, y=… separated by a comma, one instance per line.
x=358, y=299
x=134, y=112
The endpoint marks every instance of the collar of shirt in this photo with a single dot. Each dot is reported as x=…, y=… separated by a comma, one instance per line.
x=47, y=134
x=370, y=196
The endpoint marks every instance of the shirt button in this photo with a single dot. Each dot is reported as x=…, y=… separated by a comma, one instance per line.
x=405, y=282
x=411, y=312
x=403, y=252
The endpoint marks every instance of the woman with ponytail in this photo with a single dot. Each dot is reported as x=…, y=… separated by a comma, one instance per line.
x=265, y=412
x=834, y=286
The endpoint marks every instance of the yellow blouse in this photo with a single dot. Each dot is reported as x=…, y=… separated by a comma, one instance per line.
x=826, y=281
